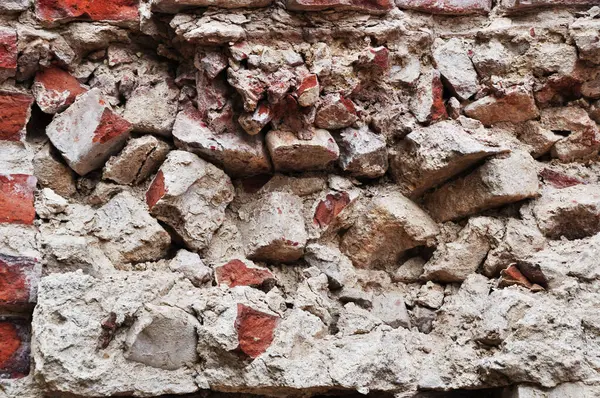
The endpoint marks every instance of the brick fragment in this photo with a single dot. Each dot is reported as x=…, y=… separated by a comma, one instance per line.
x=238, y=273
x=14, y=114
x=255, y=330
x=15, y=338
x=16, y=198
x=329, y=208
x=308, y=91
x=289, y=153
x=55, y=89
x=335, y=112
x=88, y=132
x=516, y=106
x=19, y=278
x=8, y=53
x=65, y=10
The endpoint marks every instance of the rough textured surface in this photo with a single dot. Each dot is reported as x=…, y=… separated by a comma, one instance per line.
x=299, y=198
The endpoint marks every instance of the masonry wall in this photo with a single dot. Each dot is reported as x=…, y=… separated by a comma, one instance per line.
x=299, y=198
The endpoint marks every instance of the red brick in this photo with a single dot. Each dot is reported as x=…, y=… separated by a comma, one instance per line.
x=255, y=330
x=95, y=10
x=14, y=347
x=308, y=91
x=329, y=208
x=111, y=126
x=335, y=112
x=56, y=89
x=19, y=278
x=559, y=180
x=513, y=276
x=236, y=273
x=14, y=113
x=16, y=198
x=156, y=191
x=8, y=52
x=366, y=6
x=447, y=7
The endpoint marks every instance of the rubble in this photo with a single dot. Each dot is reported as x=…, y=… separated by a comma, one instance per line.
x=517, y=105
x=55, y=89
x=363, y=153
x=454, y=64
x=288, y=153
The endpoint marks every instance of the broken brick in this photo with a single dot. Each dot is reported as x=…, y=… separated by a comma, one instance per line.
x=308, y=91
x=66, y=10
x=19, y=278
x=16, y=198
x=14, y=114
x=329, y=208
x=8, y=53
x=335, y=112
x=15, y=338
x=55, y=89
x=237, y=273
x=447, y=7
x=255, y=330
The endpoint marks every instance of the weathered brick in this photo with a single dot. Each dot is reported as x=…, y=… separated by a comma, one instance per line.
x=55, y=89
x=19, y=278
x=238, y=273
x=16, y=198
x=330, y=207
x=88, y=133
x=335, y=112
x=308, y=91
x=369, y=6
x=15, y=337
x=519, y=5
x=173, y=6
x=255, y=330
x=447, y=7
x=517, y=105
x=8, y=53
x=14, y=114
x=95, y=10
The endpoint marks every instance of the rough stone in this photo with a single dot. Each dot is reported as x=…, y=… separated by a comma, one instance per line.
x=431, y=155
x=152, y=109
x=335, y=112
x=390, y=225
x=191, y=266
x=391, y=309
x=55, y=89
x=428, y=103
x=308, y=91
x=447, y=7
x=273, y=228
x=572, y=212
x=52, y=173
x=517, y=105
x=540, y=139
x=370, y=7
x=88, y=132
x=174, y=6
x=499, y=181
x=128, y=233
x=239, y=154
x=254, y=122
x=363, y=153
x=163, y=337
x=140, y=158
x=583, y=138
x=289, y=153
x=454, y=64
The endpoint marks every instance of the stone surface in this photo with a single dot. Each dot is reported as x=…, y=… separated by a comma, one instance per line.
x=236, y=152
x=517, y=6
x=163, y=337
x=152, y=109
x=273, y=228
x=52, y=173
x=335, y=112
x=371, y=7
x=455, y=261
x=288, y=153
x=572, y=212
x=540, y=139
x=191, y=266
x=390, y=225
x=363, y=153
x=428, y=103
x=128, y=233
x=190, y=195
x=516, y=106
x=583, y=135
x=11, y=6
x=16, y=198
x=174, y=6
x=498, y=182
x=255, y=330
x=431, y=155
x=14, y=114
x=88, y=133
x=447, y=7
x=19, y=277
x=454, y=64
x=55, y=89
x=140, y=158
x=242, y=273
x=308, y=91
